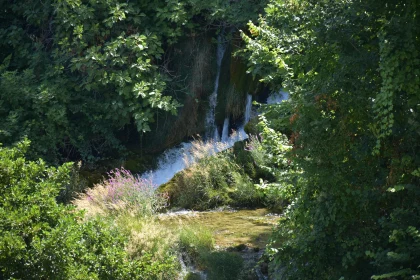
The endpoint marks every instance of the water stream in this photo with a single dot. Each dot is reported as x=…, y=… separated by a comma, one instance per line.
x=211, y=129
x=243, y=231
x=225, y=131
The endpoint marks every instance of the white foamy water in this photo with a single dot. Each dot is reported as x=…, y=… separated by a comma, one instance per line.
x=277, y=97
x=211, y=128
x=225, y=131
x=180, y=157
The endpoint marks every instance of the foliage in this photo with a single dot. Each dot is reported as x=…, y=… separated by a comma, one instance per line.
x=42, y=239
x=351, y=68
x=278, y=177
x=152, y=243
x=230, y=13
x=278, y=116
x=76, y=185
x=78, y=71
x=78, y=76
x=123, y=192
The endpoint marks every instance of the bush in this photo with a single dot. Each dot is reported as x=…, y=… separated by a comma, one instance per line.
x=76, y=185
x=40, y=239
x=153, y=243
x=245, y=192
x=226, y=178
x=213, y=181
x=278, y=176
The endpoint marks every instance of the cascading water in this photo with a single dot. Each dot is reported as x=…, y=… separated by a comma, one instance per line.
x=211, y=128
x=241, y=131
x=225, y=131
x=178, y=158
x=169, y=163
x=247, y=116
x=248, y=107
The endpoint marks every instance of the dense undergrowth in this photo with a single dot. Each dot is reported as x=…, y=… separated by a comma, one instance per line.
x=42, y=239
x=133, y=206
x=352, y=71
x=251, y=174
x=118, y=233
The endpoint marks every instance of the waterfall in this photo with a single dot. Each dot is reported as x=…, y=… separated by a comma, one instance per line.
x=178, y=158
x=247, y=116
x=211, y=128
x=225, y=131
x=169, y=163
x=248, y=107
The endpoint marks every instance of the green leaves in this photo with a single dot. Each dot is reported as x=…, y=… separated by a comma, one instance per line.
x=42, y=239
x=71, y=62
x=347, y=67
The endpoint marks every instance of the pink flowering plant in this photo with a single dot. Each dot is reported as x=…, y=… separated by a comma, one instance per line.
x=125, y=191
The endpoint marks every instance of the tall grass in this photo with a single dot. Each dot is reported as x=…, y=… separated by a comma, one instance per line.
x=201, y=151
x=196, y=241
x=123, y=192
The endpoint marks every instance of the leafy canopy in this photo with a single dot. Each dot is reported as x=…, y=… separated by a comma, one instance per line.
x=352, y=70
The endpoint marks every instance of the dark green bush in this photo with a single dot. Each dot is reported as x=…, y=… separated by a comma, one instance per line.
x=41, y=239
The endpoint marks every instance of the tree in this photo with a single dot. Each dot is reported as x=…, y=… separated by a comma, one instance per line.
x=352, y=71
x=76, y=72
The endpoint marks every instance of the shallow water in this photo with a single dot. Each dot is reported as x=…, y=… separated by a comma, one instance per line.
x=230, y=227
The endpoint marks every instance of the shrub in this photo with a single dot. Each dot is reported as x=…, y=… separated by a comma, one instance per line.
x=278, y=177
x=153, y=243
x=76, y=185
x=245, y=192
x=40, y=239
x=211, y=180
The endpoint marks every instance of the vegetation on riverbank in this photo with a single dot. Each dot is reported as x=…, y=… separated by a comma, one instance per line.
x=352, y=70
